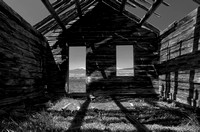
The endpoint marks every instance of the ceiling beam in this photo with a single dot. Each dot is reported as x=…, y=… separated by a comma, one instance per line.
x=54, y=14
x=78, y=8
x=142, y=7
x=122, y=6
x=150, y=12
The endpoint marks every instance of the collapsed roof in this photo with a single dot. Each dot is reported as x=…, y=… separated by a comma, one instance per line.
x=69, y=11
x=64, y=13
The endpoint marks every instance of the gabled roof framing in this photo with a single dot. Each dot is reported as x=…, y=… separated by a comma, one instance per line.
x=69, y=10
x=54, y=14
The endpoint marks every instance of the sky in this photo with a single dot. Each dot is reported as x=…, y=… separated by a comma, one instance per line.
x=77, y=61
x=34, y=11
x=124, y=60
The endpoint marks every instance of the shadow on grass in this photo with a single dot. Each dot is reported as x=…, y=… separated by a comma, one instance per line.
x=172, y=111
x=140, y=127
x=79, y=117
x=122, y=98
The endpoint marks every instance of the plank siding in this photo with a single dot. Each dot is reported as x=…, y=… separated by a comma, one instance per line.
x=101, y=32
x=26, y=60
x=179, y=57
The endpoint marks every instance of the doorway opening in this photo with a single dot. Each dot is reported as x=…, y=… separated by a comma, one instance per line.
x=77, y=69
x=125, y=60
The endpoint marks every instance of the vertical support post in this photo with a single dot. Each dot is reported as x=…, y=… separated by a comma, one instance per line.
x=175, y=85
x=167, y=91
x=191, y=87
x=67, y=69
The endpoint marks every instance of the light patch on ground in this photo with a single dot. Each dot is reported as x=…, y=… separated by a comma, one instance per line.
x=103, y=114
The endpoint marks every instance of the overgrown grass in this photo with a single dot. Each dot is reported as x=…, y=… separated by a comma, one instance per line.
x=77, y=85
x=101, y=115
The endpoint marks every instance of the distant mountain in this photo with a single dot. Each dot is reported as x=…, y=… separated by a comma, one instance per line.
x=127, y=68
x=77, y=71
x=82, y=71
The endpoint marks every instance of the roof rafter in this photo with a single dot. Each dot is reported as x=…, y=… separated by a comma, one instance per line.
x=78, y=8
x=122, y=6
x=197, y=1
x=150, y=12
x=58, y=3
x=143, y=7
x=165, y=3
x=54, y=14
x=116, y=6
x=145, y=2
x=68, y=3
x=131, y=4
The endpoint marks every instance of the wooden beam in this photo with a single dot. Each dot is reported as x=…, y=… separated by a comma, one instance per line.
x=197, y=1
x=122, y=6
x=143, y=7
x=165, y=3
x=54, y=14
x=59, y=3
x=150, y=12
x=78, y=8
x=49, y=18
x=145, y=2
x=131, y=5
x=116, y=6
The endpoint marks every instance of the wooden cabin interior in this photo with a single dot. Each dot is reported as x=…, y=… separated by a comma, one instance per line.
x=35, y=59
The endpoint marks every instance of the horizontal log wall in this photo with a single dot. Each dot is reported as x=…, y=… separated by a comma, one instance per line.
x=179, y=61
x=26, y=59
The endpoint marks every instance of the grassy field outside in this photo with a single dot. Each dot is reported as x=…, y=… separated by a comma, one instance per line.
x=77, y=85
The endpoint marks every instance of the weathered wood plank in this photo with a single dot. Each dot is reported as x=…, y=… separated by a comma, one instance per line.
x=18, y=19
x=26, y=59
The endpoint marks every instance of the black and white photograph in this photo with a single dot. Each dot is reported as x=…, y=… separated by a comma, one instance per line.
x=99, y=65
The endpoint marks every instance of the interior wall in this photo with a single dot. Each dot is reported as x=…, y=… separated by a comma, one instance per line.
x=179, y=60
x=101, y=30
x=26, y=60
